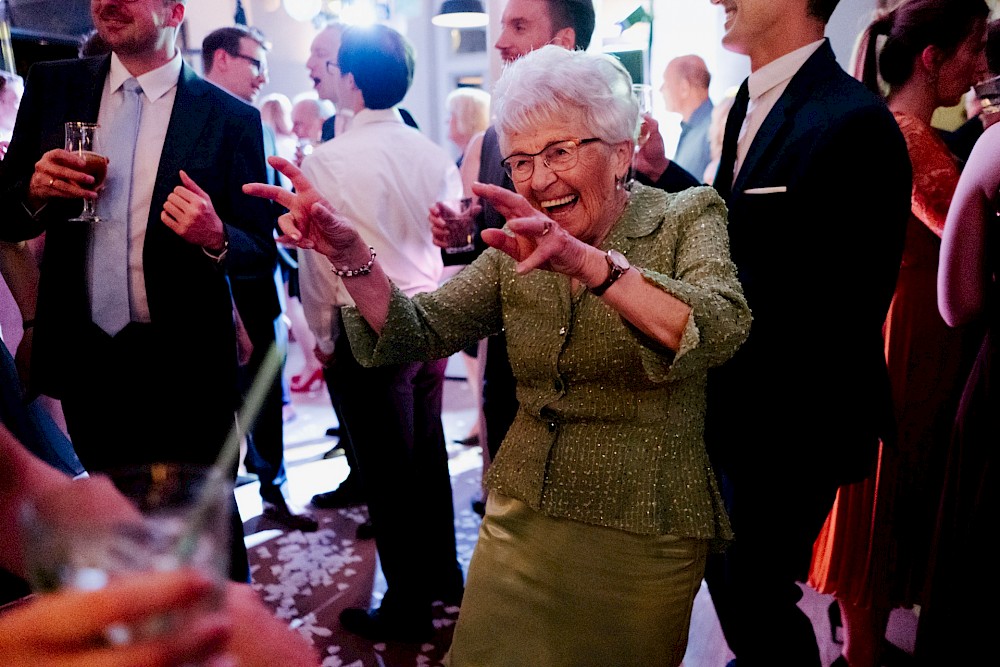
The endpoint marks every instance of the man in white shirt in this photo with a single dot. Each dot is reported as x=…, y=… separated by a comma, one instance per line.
x=385, y=175
x=152, y=377
x=816, y=176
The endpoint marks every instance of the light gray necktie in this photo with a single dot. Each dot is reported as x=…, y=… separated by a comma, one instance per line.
x=109, y=274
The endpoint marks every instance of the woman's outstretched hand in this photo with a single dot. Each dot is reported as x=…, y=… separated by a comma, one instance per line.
x=311, y=221
x=531, y=237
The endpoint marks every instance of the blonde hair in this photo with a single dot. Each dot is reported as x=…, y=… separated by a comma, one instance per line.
x=470, y=107
x=276, y=111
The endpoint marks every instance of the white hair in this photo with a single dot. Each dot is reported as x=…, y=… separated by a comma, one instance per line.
x=552, y=83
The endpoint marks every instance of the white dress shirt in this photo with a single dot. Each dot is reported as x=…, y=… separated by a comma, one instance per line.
x=766, y=85
x=159, y=88
x=384, y=176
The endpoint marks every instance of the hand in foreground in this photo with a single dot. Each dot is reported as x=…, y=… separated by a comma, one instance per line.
x=259, y=639
x=59, y=175
x=651, y=158
x=537, y=241
x=311, y=221
x=68, y=627
x=189, y=212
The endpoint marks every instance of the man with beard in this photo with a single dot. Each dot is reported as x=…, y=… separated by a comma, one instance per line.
x=134, y=325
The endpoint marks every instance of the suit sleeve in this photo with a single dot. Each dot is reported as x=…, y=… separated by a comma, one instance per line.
x=248, y=221
x=26, y=148
x=673, y=179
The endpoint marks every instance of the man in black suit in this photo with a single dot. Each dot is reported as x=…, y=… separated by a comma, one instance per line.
x=235, y=59
x=160, y=384
x=817, y=212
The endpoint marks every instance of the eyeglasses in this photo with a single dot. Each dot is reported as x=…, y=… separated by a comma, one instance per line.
x=557, y=156
x=260, y=69
x=330, y=66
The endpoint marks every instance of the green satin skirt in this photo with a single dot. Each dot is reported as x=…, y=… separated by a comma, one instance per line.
x=545, y=592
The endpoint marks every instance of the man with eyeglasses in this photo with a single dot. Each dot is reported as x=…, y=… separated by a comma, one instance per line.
x=235, y=59
x=320, y=291
x=134, y=327
x=393, y=413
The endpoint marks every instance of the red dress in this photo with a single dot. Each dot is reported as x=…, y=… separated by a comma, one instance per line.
x=875, y=544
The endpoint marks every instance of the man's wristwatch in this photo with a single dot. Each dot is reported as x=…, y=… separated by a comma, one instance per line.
x=617, y=266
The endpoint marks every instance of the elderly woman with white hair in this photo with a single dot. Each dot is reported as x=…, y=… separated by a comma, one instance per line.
x=615, y=299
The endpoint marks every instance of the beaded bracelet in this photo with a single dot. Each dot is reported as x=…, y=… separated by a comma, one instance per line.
x=350, y=273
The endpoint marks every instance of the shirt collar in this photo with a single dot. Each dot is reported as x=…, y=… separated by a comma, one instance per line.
x=155, y=83
x=368, y=116
x=781, y=70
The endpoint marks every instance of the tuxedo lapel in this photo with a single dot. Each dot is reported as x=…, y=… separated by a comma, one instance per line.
x=734, y=123
x=187, y=121
x=774, y=130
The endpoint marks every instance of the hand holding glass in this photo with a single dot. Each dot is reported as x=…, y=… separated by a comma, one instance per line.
x=988, y=92
x=644, y=96
x=458, y=215
x=83, y=537
x=80, y=140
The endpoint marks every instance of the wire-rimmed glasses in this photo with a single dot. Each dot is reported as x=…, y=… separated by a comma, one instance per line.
x=557, y=156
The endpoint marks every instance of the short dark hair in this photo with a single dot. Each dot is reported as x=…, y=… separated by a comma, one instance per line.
x=382, y=62
x=822, y=9
x=228, y=39
x=576, y=14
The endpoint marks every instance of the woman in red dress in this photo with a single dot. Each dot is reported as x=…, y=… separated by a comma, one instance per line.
x=872, y=555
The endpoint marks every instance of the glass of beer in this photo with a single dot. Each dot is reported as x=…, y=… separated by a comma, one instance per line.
x=80, y=139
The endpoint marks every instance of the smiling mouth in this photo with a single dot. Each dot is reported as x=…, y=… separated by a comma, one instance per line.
x=556, y=205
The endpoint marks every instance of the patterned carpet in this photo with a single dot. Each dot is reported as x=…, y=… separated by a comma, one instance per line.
x=308, y=578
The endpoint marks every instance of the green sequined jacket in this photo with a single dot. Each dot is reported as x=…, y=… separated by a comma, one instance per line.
x=609, y=430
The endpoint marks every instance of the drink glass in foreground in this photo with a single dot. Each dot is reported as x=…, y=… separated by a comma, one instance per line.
x=80, y=139
x=988, y=92
x=457, y=213
x=83, y=537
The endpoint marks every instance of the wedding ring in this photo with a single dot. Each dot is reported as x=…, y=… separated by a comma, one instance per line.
x=51, y=181
x=546, y=227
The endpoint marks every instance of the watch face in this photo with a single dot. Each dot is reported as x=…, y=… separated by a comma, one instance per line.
x=618, y=260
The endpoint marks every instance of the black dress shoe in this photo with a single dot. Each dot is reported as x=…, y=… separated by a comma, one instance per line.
x=365, y=531
x=471, y=441
x=333, y=432
x=280, y=513
x=344, y=495
x=375, y=626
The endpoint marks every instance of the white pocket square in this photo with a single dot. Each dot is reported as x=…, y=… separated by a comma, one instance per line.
x=765, y=191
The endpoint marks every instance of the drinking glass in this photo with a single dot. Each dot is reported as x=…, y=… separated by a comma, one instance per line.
x=461, y=223
x=80, y=139
x=988, y=92
x=644, y=95
x=83, y=536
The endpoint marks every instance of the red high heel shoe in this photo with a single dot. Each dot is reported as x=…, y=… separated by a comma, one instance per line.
x=313, y=382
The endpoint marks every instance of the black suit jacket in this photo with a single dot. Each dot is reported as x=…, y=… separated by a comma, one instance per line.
x=808, y=393
x=217, y=140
